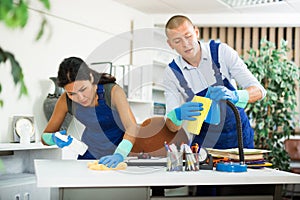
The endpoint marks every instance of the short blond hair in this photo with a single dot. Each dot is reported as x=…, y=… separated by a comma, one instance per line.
x=176, y=21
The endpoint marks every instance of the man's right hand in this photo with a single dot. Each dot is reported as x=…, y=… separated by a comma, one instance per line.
x=186, y=111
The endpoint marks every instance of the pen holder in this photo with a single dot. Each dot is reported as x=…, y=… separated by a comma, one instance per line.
x=174, y=161
x=191, y=162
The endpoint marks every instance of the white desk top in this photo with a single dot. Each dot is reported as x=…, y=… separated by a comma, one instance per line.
x=75, y=173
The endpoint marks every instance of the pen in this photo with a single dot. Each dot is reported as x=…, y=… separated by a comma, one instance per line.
x=195, y=148
x=166, y=146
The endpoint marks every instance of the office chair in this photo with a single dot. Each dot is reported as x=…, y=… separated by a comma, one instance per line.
x=153, y=133
x=292, y=147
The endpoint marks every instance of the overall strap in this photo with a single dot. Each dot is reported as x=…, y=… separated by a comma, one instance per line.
x=214, y=51
x=69, y=105
x=100, y=92
x=183, y=83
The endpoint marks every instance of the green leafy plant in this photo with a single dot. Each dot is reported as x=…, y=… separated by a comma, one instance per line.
x=274, y=116
x=16, y=72
x=14, y=14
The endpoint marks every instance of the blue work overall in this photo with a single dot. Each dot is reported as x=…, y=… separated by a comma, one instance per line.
x=103, y=127
x=215, y=136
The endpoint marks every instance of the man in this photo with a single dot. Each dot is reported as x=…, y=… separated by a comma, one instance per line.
x=194, y=72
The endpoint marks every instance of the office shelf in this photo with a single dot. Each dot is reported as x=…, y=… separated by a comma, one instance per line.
x=19, y=147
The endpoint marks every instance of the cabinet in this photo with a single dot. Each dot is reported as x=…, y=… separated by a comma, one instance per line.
x=17, y=174
x=146, y=91
x=22, y=187
x=158, y=97
x=150, y=101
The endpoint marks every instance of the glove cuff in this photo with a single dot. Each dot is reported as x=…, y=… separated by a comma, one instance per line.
x=172, y=116
x=124, y=148
x=47, y=138
x=243, y=98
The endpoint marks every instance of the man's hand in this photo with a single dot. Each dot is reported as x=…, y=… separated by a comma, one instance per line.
x=188, y=110
x=218, y=93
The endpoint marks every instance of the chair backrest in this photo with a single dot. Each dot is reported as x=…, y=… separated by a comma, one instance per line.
x=153, y=134
x=292, y=147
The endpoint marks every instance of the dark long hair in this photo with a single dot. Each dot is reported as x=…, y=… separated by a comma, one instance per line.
x=74, y=69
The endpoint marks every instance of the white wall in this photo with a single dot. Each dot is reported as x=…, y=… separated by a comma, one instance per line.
x=78, y=28
x=237, y=19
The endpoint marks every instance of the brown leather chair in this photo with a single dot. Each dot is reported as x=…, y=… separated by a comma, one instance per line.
x=153, y=133
x=292, y=147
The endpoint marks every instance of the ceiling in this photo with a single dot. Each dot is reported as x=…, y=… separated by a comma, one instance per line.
x=209, y=6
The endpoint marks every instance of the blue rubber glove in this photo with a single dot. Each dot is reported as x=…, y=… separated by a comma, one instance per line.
x=218, y=93
x=188, y=110
x=213, y=116
x=61, y=139
x=185, y=112
x=111, y=160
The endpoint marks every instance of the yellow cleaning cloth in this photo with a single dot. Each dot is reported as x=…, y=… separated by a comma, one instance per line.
x=195, y=126
x=96, y=166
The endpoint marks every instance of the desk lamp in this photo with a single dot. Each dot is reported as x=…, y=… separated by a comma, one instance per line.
x=230, y=166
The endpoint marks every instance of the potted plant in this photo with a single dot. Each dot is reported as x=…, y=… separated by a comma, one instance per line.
x=273, y=117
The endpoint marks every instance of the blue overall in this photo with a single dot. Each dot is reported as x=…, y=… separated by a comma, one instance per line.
x=223, y=135
x=103, y=128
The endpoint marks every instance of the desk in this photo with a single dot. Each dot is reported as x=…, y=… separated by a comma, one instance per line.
x=73, y=175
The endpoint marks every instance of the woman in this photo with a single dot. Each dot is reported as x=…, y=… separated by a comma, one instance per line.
x=98, y=103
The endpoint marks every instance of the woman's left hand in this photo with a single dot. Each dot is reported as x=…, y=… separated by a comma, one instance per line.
x=111, y=160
